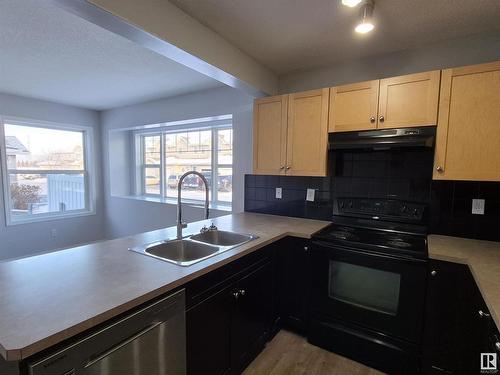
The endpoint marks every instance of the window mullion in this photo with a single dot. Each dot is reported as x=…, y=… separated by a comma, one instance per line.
x=215, y=174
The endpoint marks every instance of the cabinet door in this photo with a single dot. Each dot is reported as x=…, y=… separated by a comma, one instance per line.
x=252, y=318
x=307, y=140
x=353, y=107
x=444, y=342
x=293, y=282
x=468, y=133
x=208, y=326
x=269, y=135
x=410, y=100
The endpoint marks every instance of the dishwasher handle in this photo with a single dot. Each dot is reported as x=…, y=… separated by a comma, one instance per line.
x=125, y=342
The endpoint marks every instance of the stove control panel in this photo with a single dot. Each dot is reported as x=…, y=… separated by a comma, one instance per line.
x=378, y=208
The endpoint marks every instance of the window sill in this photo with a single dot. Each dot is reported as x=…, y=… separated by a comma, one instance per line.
x=173, y=202
x=48, y=217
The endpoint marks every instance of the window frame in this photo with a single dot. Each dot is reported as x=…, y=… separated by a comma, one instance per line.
x=215, y=166
x=88, y=171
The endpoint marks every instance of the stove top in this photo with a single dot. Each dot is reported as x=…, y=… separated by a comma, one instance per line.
x=387, y=226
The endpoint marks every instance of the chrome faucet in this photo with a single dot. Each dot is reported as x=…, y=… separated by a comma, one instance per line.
x=180, y=224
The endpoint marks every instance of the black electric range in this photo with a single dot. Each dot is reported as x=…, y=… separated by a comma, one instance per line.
x=368, y=282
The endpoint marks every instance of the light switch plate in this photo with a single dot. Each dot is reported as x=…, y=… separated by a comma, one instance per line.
x=310, y=195
x=478, y=206
x=279, y=192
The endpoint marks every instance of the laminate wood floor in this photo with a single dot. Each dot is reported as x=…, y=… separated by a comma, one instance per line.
x=291, y=354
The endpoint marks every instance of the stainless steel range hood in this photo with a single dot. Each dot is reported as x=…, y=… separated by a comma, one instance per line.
x=383, y=139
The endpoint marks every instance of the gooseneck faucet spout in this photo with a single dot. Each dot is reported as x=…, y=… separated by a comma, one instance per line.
x=181, y=224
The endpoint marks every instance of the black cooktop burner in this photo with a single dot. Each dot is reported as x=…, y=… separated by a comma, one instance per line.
x=378, y=239
x=382, y=225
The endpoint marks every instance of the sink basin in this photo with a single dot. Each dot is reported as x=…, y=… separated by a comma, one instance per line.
x=183, y=252
x=222, y=238
x=193, y=249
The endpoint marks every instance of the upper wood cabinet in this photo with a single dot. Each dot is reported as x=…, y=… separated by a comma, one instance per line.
x=353, y=107
x=410, y=100
x=291, y=134
x=468, y=132
x=269, y=134
x=404, y=101
x=307, y=139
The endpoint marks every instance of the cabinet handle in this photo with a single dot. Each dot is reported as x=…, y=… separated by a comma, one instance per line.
x=440, y=169
x=282, y=167
x=381, y=118
x=288, y=167
x=242, y=292
x=306, y=248
x=433, y=273
x=482, y=314
x=497, y=346
x=236, y=294
x=372, y=119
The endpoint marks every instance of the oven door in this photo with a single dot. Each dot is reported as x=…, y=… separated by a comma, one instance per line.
x=380, y=292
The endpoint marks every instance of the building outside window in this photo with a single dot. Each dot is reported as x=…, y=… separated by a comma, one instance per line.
x=45, y=171
x=167, y=155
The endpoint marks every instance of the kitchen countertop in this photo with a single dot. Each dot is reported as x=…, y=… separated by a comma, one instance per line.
x=48, y=298
x=483, y=259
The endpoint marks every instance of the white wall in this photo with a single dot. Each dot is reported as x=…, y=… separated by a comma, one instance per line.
x=466, y=51
x=25, y=239
x=126, y=216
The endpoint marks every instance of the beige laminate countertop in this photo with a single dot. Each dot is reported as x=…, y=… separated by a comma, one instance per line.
x=483, y=259
x=48, y=298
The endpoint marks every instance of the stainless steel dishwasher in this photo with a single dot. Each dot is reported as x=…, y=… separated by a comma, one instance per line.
x=150, y=341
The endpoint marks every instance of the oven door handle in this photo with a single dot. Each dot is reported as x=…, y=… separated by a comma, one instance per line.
x=372, y=254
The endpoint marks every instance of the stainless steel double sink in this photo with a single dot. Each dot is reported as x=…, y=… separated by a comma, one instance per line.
x=194, y=248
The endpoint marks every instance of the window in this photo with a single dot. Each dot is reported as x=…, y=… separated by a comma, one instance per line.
x=166, y=156
x=47, y=173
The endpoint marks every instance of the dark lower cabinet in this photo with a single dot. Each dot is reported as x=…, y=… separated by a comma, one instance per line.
x=293, y=282
x=481, y=332
x=458, y=325
x=444, y=319
x=231, y=318
x=251, y=319
x=208, y=335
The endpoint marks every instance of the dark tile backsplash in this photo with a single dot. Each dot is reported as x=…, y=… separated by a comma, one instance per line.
x=396, y=174
x=451, y=209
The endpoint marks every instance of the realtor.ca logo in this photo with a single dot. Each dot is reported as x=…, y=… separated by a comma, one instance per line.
x=489, y=363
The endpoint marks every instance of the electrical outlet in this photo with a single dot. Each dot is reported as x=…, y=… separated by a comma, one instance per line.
x=279, y=192
x=478, y=206
x=310, y=195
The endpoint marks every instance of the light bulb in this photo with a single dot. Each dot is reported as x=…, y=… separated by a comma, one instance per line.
x=351, y=3
x=365, y=24
x=364, y=27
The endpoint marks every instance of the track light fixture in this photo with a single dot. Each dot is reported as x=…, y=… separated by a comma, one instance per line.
x=365, y=23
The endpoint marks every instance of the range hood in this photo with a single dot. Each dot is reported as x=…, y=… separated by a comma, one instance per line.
x=383, y=139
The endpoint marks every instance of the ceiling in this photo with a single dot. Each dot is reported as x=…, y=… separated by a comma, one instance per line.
x=48, y=53
x=292, y=35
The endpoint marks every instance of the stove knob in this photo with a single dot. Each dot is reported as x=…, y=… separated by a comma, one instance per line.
x=415, y=211
x=403, y=209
